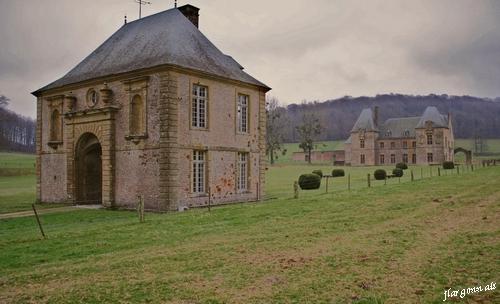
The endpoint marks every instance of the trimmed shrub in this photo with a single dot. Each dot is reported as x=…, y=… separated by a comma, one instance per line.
x=380, y=174
x=318, y=172
x=338, y=172
x=402, y=166
x=397, y=172
x=448, y=165
x=309, y=181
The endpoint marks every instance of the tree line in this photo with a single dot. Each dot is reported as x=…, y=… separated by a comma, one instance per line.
x=471, y=116
x=17, y=132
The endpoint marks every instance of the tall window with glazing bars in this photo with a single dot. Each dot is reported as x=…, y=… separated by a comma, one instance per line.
x=199, y=171
x=242, y=113
x=242, y=175
x=199, y=107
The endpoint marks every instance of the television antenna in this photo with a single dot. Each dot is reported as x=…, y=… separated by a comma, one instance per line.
x=141, y=3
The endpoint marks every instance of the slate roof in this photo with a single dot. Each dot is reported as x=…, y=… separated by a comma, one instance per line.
x=396, y=127
x=432, y=114
x=365, y=121
x=399, y=127
x=164, y=38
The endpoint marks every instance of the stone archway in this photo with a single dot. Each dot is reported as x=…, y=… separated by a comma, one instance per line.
x=468, y=154
x=88, y=166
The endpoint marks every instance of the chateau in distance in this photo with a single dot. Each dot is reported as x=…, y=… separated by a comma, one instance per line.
x=423, y=140
x=156, y=111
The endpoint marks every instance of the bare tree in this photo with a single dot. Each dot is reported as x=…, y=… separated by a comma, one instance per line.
x=308, y=131
x=275, y=128
x=17, y=133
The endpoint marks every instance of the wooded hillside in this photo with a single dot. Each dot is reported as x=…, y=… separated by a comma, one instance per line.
x=17, y=133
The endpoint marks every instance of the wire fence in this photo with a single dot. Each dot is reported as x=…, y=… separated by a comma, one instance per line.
x=356, y=179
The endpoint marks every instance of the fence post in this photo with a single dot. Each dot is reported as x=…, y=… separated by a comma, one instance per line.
x=258, y=192
x=458, y=170
x=295, y=189
x=412, y=177
x=349, y=181
x=439, y=171
x=385, y=180
x=140, y=208
x=472, y=167
x=369, y=182
x=209, y=199
x=38, y=221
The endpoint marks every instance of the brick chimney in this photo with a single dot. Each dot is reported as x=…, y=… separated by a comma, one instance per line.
x=191, y=12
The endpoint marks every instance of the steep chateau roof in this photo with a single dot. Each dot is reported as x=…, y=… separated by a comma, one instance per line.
x=165, y=38
x=432, y=114
x=399, y=127
x=365, y=121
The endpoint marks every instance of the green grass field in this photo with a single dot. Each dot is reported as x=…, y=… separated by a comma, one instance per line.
x=395, y=243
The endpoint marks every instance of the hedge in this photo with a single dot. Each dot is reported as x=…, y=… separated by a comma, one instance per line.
x=448, y=165
x=318, y=172
x=397, y=172
x=338, y=172
x=309, y=181
x=402, y=166
x=380, y=174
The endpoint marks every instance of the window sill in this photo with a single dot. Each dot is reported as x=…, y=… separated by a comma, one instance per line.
x=198, y=195
x=54, y=143
x=198, y=129
x=136, y=138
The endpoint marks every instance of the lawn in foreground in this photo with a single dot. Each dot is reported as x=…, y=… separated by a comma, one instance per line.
x=399, y=243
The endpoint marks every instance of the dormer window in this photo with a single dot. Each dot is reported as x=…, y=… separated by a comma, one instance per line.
x=406, y=133
x=388, y=133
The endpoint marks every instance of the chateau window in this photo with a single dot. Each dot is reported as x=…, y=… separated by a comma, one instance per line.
x=137, y=116
x=199, y=172
x=393, y=145
x=429, y=139
x=362, y=143
x=242, y=113
x=393, y=158
x=382, y=159
x=405, y=158
x=55, y=126
x=405, y=144
x=388, y=133
x=381, y=145
x=414, y=158
x=242, y=178
x=430, y=158
x=362, y=158
x=413, y=144
x=199, y=107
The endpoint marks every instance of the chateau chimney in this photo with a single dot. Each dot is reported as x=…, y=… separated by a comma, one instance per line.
x=375, y=116
x=191, y=12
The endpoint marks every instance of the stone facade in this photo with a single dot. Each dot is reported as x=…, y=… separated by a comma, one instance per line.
x=158, y=164
x=425, y=140
x=111, y=139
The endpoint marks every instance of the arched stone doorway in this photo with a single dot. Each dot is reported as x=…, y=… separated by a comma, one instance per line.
x=88, y=165
x=468, y=154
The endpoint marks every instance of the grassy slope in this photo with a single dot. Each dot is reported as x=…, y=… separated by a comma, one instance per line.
x=17, y=192
x=402, y=243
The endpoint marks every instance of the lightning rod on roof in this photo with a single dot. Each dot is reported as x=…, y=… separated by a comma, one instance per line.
x=141, y=3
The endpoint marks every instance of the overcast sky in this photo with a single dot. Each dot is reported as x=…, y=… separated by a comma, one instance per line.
x=303, y=49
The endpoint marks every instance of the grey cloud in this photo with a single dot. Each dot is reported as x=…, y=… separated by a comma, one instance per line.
x=303, y=49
